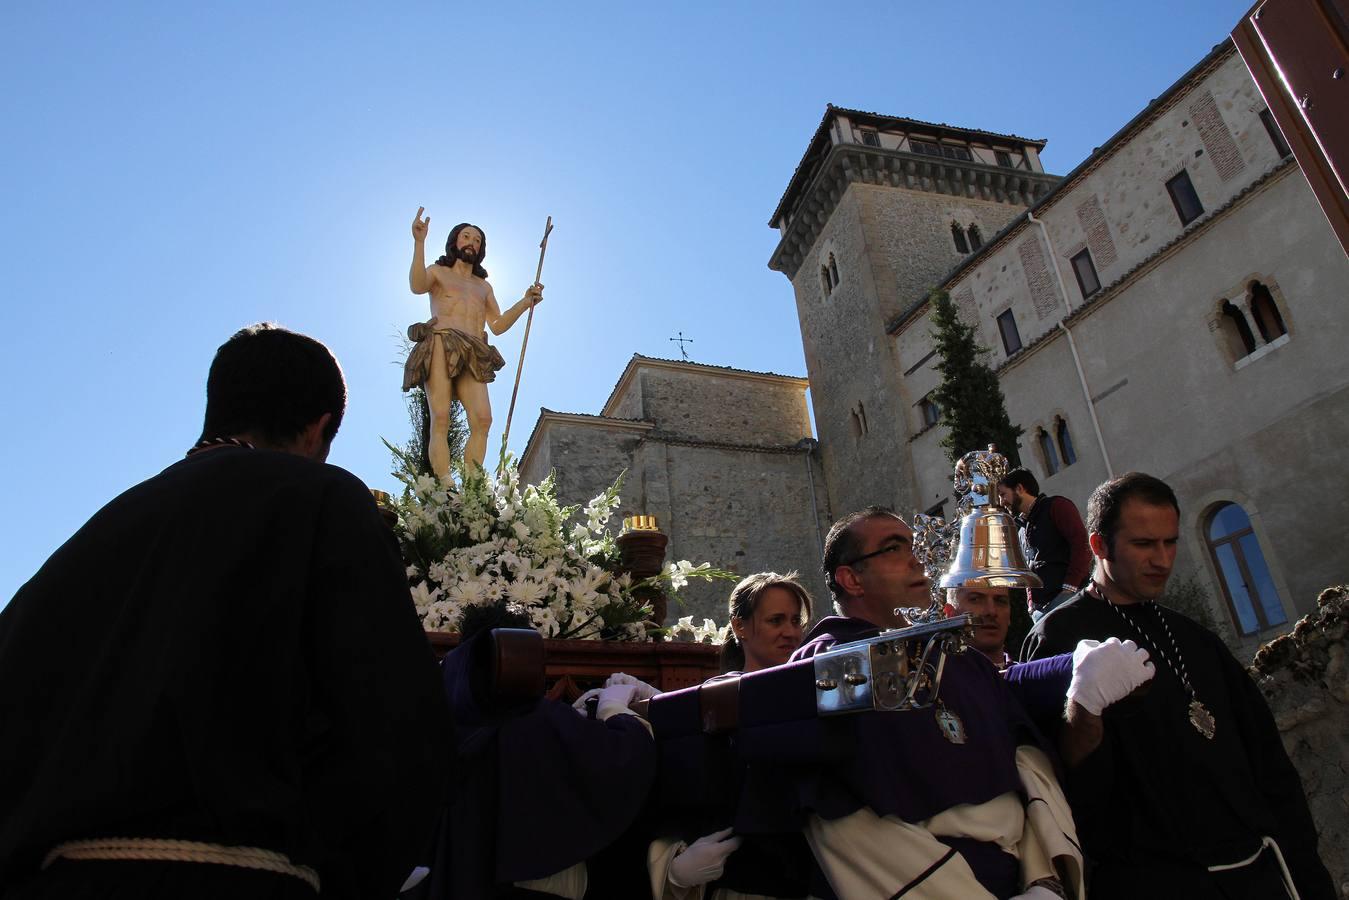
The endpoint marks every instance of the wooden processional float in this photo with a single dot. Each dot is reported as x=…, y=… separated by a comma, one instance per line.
x=895, y=670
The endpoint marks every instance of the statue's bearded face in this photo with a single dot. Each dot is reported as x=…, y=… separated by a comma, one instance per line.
x=468, y=245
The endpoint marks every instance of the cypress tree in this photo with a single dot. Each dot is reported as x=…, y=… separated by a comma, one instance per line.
x=971, y=401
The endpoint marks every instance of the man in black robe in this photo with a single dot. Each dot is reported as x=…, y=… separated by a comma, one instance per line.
x=1183, y=790
x=218, y=686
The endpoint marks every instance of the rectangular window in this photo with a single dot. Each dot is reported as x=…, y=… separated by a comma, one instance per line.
x=1183, y=195
x=1011, y=338
x=1004, y=158
x=927, y=148
x=870, y=137
x=1275, y=134
x=1085, y=270
x=947, y=151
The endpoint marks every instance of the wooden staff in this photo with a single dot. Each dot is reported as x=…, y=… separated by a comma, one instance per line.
x=520, y=366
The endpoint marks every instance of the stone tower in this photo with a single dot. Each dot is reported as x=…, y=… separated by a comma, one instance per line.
x=878, y=211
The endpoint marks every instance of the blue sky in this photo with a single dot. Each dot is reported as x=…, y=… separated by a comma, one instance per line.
x=172, y=172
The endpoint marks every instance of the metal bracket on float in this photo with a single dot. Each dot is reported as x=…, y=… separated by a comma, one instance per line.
x=896, y=670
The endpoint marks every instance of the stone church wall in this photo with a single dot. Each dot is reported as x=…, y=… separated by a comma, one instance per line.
x=733, y=410
x=717, y=457
x=746, y=512
x=1173, y=394
x=585, y=459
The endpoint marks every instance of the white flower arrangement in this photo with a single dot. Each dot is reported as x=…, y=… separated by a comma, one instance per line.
x=488, y=540
x=707, y=633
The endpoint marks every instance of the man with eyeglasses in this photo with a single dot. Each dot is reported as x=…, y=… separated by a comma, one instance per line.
x=937, y=802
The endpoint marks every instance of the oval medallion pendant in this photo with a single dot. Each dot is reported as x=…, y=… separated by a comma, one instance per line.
x=951, y=727
x=1202, y=719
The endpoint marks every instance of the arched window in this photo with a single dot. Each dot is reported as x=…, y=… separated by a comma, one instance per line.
x=958, y=235
x=833, y=270
x=1266, y=313
x=824, y=281
x=1239, y=336
x=1065, y=440
x=1051, y=458
x=976, y=237
x=1246, y=582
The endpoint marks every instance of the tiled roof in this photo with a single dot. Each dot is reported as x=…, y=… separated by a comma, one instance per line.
x=884, y=121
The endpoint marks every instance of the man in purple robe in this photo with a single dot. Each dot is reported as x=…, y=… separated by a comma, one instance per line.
x=940, y=801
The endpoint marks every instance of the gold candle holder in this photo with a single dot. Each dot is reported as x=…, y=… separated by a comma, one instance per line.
x=386, y=509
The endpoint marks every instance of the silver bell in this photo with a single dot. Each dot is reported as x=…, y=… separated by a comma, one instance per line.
x=988, y=554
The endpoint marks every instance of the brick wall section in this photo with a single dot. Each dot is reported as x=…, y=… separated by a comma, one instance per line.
x=1099, y=241
x=1033, y=262
x=1217, y=137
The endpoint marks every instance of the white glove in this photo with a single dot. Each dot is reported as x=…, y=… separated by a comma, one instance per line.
x=415, y=878
x=610, y=700
x=580, y=704
x=1037, y=892
x=704, y=860
x=1104, y=673
x=615, y=700
x=644, y=690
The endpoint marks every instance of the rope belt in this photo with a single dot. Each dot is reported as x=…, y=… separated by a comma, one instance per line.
x=182, y=851
x=1265, y=843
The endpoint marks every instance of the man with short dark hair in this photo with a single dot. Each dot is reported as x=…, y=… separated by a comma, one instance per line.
x=218, y=686
x=1183, y=790
x=1052, y=538
x=882, y=824
x=993, y=607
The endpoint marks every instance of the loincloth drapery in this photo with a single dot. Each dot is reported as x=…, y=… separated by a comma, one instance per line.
x=463, y=352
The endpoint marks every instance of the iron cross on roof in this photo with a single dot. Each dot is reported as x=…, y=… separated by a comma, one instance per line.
x=681, y=341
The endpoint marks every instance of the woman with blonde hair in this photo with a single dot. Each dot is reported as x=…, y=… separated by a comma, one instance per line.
x=768, y=614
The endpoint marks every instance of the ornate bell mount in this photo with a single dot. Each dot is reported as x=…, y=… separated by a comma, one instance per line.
x=988, y=553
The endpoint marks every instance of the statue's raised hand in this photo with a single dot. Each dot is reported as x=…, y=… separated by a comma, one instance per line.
x=420, y=225
x=533, y=294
